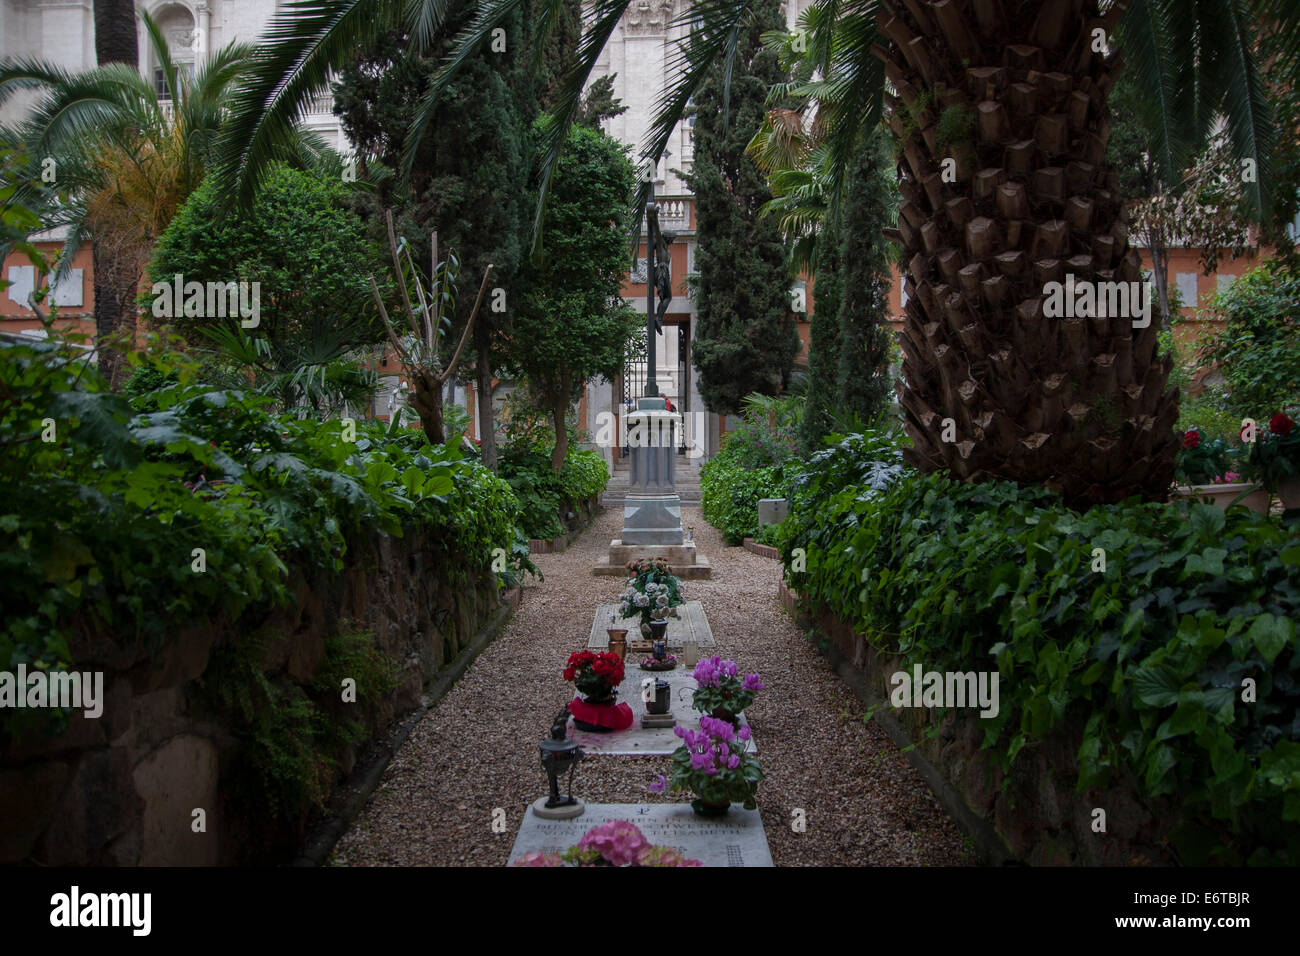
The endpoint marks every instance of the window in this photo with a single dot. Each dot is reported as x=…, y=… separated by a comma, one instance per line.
x=1186, y=284
x=1225, y=282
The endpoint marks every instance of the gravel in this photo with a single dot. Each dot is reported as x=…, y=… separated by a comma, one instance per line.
x=472, y=762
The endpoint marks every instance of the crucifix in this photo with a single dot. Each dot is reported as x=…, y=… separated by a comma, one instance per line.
x=658, y=278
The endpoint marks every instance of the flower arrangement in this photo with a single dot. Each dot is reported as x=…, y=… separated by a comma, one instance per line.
x=595, y=675
x=617, y=843
x=652, y=591
x=1275, y=458
x=721, y=688
x=1201, y=461
x=712, y=764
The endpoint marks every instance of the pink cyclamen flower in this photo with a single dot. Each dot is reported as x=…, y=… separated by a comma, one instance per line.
x=659, y=785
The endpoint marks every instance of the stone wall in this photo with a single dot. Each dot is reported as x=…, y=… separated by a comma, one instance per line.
x=122, y=789
x=1038, y=818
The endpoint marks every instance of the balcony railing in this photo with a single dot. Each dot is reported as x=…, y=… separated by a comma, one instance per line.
x=674, y=212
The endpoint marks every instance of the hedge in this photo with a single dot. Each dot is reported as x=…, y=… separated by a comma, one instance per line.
x=1136, y=624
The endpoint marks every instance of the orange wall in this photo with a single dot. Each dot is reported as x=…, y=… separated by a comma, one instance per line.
x=17, y=318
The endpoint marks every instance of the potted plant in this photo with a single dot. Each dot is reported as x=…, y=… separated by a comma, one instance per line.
x=721, y=692
x=653, y=593
x=617, y=843
x=1203, y=470
x=712, y=764
x=597, y=676
x=1275, y=459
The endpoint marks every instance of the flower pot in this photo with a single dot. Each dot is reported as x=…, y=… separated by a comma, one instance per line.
x=721, y=713
x=618, y=641
x=710, y=808
x=1288, y=490
x=1223, y=495
x=658, y=630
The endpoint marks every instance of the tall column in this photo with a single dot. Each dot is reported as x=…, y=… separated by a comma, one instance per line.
x=202, y=32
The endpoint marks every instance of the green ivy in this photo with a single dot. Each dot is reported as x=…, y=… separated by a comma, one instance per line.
x=1144, y=660
x=101, y=524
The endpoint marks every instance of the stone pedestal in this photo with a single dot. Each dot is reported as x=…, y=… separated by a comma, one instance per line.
x=652, y=510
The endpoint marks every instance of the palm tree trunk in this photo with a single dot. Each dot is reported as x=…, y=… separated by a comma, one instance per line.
x=115, y=37
x=994, y=388
x=115, y=292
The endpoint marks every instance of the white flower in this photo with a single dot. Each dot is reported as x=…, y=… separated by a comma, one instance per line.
x=661, y=601
x=642, y=601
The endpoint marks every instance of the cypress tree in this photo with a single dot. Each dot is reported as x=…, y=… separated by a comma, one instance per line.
x=864, y=329
x=746, y=339
x=822, y=396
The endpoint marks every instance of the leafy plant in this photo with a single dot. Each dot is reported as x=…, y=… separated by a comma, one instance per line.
x=1202, y=460
x=719, y=687
x=652, y=591
x=713, y=763
x=1258, y=348
x=1276, y=455
x=1139, y=653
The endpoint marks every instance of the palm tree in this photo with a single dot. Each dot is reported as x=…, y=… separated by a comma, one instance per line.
x=115, y=39
x=126, y=160
x=1000, y=110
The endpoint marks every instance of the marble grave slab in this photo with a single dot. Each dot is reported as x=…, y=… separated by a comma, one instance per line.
x=737, y=839
x=639, y=740
x=690, y=623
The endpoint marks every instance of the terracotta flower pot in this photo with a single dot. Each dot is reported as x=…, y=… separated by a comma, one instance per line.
x=1223, y=495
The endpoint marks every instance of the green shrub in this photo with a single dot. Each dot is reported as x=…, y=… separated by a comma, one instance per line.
x=135, y=520
x=1258, y=349
x=1145, y=659
x=542, y=494
x=730, y=492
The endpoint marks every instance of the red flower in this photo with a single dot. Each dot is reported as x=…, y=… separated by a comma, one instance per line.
x=1279, y=424
x=1191, y=438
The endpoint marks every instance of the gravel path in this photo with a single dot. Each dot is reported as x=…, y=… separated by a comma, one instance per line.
x=477, y=750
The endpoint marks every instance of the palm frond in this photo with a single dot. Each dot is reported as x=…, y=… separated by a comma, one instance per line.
x=306, y=41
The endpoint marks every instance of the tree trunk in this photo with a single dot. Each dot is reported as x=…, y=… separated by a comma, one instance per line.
x=116, y=285
x=427, y=401
x=1080, y=405
x=115, y=36
x=1160, y=276
x=483, y=394
x=559, y=412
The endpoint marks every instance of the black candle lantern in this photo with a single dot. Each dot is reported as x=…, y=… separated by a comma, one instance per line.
x=559, y=754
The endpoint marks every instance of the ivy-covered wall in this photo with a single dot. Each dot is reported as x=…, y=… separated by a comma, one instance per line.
x=248, y=725
x=1037, y=818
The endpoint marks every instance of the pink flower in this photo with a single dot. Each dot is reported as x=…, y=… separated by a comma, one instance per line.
x=618, y=841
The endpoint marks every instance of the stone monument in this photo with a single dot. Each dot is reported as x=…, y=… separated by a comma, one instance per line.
x=652, y=510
